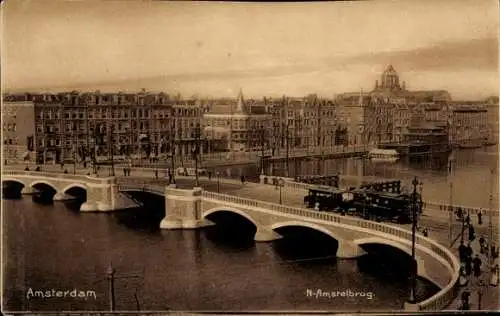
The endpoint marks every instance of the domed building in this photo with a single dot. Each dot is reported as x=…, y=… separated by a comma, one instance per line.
x=389, y=81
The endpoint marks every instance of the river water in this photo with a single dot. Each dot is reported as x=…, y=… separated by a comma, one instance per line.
x=53, y=246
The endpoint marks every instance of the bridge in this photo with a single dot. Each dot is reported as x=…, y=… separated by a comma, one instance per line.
x=190, y=209
x=101, y=193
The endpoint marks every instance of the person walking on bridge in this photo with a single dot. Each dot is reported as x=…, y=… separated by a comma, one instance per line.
x=462, y=252
x=477, y=266
x=465, y=301
x=480, y=218
x=471, y=233
x=482, y=244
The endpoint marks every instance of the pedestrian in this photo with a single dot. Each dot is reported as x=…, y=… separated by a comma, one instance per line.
x=494, y=275
x=471, y=233
x=479, y=218
x=494, y=253
x=124, y=172
x=468, y=266
x=425, y=232
x=476, y=265
x=463, y=276
x=480, y=293
x=156, y=174
x=242, y=179
x=481, y=244
x=462, y=252
x=469, y=252
x=209, y=175
x=465, y=301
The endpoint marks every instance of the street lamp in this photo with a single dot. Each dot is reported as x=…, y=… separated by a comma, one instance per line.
x=414, y=205
x=218, y=181
x=195, y=151
x=111, y=150
x=281, y=183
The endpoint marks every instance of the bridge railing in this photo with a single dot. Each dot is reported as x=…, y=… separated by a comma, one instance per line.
x=145, y=188
x=437, y=302
x=59, y=175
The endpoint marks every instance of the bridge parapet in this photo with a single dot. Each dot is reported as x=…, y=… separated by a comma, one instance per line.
x=61, y=176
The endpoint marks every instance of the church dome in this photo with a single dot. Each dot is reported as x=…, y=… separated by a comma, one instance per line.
x=390, y=79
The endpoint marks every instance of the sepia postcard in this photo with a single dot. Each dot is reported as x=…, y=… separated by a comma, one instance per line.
x=334, y=157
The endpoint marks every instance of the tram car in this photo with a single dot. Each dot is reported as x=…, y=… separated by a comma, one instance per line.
x=327, y=198
x=385, y=206
x=380, y=206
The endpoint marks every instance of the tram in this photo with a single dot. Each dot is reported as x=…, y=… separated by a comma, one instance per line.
x=368, y=204
x=324, y=198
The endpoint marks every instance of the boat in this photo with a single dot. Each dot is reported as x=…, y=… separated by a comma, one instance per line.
x=489, y=143
x=377, y=154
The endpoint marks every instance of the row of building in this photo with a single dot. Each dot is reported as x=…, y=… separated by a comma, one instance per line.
x=73, y=125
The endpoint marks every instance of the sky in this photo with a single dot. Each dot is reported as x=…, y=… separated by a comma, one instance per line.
x=266, y=49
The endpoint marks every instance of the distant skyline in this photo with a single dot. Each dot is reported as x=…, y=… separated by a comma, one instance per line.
x=265, y=49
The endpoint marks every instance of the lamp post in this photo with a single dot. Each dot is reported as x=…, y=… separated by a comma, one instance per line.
x=450, y=170
x=218, y=181
x=111, y=150
x=111, y=286
x=196, y=151
x=281, y=182
x=74, y=149
x=414, y=205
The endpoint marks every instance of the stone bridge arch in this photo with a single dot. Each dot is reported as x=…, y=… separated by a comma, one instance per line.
x=421, y=269
x=313, y=226
x=11, y=179
x=65, y=195
x=25, y=188
x=383, y=241
x=346, y=248
x=44, y=182
x=74, y=185
x=231, y=210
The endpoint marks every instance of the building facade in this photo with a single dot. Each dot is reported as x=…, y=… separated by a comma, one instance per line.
x=237, y=126
x=19, y=128
x=75, y=126
x=468, y=124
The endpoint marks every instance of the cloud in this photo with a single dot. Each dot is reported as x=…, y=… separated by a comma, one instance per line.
x=474, y=54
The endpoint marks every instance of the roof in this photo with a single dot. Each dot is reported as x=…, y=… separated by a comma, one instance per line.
x=422, y=94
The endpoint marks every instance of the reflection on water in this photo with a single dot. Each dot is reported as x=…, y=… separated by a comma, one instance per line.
x=55, y=246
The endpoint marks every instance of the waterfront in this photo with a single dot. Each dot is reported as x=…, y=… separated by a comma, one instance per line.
x=471, y=176
x=54, y=247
